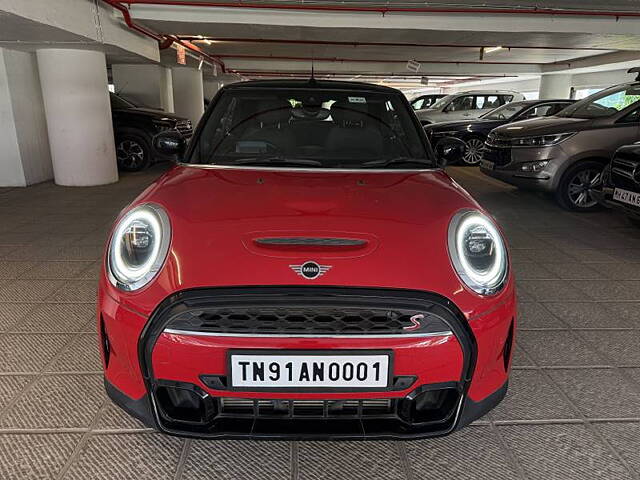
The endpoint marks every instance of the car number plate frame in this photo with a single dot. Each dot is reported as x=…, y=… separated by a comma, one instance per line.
x=627, y=197
x=308, y=357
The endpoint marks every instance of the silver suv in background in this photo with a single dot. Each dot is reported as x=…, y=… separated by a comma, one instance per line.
x=466, y=105
x=425, y=101
x=565, y=154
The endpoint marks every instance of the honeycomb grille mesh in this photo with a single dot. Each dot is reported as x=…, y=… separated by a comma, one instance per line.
x=308, y=320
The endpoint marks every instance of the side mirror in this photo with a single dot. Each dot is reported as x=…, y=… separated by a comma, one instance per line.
x=170, y=142
x=448, y=150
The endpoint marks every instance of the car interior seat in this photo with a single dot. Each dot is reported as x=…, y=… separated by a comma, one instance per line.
x=353, y=132
x=270, y=132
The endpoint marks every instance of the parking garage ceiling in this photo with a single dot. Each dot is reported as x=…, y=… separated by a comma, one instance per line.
x=374, y=40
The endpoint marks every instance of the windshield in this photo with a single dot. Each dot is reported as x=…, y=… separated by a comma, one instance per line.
x=119, y=102
x=605, y=103
x=311, y=128
x=442, y=102
x=425, y=101
x=505, y=112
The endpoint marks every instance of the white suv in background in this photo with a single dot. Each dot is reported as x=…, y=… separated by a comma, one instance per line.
x=466, y=105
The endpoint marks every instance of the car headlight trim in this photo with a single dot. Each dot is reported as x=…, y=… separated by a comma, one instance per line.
x=542, y=140
x=478, y=252
x=138, y=247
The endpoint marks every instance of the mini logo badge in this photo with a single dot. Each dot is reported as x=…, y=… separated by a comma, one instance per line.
x=310, y=270
x=415, y=323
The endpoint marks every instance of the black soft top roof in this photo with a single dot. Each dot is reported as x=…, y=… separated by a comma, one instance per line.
x=319, y=84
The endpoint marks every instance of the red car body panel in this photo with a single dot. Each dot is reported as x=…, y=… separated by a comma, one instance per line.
x=217, y=213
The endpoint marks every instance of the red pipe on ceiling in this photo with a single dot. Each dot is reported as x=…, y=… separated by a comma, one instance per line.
x=370, y=44
x=164, y=41
x=389, y=9
x=306, y=74
x=376, y=60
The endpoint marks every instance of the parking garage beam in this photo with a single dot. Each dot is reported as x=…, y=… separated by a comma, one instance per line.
x=76, y=101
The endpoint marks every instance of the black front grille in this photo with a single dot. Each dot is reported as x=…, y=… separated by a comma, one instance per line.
x=246, y=407
x=308, y=315
x=429, y=410
x=186, y=409
x=499, y=156
x=622, y=173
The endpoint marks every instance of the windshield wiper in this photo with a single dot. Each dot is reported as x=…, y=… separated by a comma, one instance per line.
x=277, y=161
x=397, y=161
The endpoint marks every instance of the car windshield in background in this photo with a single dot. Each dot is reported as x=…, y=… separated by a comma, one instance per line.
x=119, y=102
x=604, y=104
x=505, y=112
x=311, y=128
x=441, y=102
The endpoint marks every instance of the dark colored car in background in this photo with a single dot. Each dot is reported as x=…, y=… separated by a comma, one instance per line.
x=134, y=127
x=425, y=101
x=566, y=153
x=474, y=132
x=620, y=187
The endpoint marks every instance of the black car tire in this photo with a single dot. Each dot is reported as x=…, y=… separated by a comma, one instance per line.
x=574, y=190
x=473, y=151
x=133, y=151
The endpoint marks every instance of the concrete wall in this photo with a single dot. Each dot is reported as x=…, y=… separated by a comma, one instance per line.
x=188, y=93
x=24, y=143
x=145, y=85
x=601, y=79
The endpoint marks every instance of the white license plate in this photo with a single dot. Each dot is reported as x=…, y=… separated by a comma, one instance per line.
x=625, y=196
x=309, y=370
x=486, y=164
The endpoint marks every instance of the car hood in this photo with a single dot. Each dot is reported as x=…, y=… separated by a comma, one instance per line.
x=217, y=215
x=150, y=112
x=543, y=126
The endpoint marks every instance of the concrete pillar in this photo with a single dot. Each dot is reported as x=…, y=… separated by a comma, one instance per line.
x=188, y=93
x=145, y=85
x=555, y=86
x=211, y=85
x=76, y=101
x=25, y=158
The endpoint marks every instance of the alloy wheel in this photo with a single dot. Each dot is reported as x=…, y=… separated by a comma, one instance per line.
x=581, y=185
x=130, y=154
x=473, y=152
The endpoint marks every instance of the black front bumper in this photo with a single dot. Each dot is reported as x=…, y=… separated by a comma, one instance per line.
x=605, y=198
x=313, y=429
x=428, y=410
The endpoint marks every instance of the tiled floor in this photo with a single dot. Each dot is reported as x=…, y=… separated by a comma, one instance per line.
x=573, y=409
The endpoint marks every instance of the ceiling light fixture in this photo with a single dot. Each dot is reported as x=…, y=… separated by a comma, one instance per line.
x=493, y=49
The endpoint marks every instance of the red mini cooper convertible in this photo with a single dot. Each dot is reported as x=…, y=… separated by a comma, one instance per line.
x=308, y=271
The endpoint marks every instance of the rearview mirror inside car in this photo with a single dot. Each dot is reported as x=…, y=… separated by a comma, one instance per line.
x=448, y=150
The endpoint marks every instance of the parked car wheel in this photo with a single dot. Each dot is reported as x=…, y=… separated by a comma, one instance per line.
x=133, y=152
x=575, y=191
x=473, y=151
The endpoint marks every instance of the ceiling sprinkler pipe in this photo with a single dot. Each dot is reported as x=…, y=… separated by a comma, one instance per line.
x=164, y=41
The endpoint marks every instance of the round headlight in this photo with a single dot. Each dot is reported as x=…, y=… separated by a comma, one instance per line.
x=478, y=252
x=138, y=247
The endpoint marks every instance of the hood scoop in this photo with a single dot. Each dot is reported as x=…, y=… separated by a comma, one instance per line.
x=310, y=241
x=318, y=244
